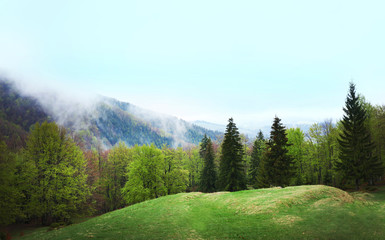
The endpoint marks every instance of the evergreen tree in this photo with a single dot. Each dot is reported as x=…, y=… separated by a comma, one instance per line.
x=232, y=174
x=279, y=164
x=256, y=156
x=209, y=174
x=202, y=151
x=263, y=180
x=357, y=161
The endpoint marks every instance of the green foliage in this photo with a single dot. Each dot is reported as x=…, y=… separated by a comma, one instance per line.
x=209, y=175
x=145, y=175
x=154, y=173
x=52, y=175
x=194, y=165
x=356, y=156
x=114, y=176
x=278, y=164
x=231, y=168
x=376, y=126
x=296, y=142
x=321, y=154
x=10, y=196
x=175, y=177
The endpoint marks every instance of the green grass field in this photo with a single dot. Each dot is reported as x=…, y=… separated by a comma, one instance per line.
x=303, y=212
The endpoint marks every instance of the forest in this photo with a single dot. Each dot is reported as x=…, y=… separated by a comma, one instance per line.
x=49, y=177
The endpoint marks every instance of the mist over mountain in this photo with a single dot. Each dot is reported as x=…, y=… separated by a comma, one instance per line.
x=252, y=133
x=95, y=122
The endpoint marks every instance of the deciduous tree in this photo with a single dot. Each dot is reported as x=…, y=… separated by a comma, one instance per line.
x=145, y=175
x=54, y=176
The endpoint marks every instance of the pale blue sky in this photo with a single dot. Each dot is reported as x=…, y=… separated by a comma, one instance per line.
x=202, y=60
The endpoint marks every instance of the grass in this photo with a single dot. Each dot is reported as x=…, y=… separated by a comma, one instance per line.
x=303, y=212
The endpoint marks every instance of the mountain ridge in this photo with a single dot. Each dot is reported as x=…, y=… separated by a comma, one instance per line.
x=101, y=123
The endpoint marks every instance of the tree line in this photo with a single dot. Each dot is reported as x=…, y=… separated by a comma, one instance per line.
x=54, y=179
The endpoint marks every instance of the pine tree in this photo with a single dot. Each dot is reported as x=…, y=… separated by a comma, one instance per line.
x=279, y=164
x=232, y=174
x=209, y=174
x=356, y=146
x=256, y=156
x=262, y=179
x=202, y=151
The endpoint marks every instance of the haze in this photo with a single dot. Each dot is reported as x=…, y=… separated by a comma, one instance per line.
x=201, y=60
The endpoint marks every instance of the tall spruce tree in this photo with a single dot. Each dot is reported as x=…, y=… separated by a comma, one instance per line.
x=356, y=146
x=278, y=163
x=262, y=179
x=256, y=156
x=231, y=168
x=202, y=151
x=209, y=174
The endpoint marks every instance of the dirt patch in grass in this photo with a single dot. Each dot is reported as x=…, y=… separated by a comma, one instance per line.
x=287, y=220
x=190, y=196
x=216, y=193
x=194, y=235
x=323, y=202
x=214, y=196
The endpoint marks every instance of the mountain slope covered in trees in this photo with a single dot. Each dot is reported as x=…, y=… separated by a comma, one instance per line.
x=102, y=124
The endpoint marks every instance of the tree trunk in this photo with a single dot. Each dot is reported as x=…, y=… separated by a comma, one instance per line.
x=357, y=184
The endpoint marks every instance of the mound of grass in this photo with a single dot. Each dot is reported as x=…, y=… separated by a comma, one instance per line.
x=303, y=212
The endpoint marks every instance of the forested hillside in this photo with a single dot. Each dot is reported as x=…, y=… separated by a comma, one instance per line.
x=17, y=114
x=105, y=124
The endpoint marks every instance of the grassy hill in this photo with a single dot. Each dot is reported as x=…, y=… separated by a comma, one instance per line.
x=303, y=212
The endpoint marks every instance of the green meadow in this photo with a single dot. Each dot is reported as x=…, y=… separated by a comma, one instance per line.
x=301, y=212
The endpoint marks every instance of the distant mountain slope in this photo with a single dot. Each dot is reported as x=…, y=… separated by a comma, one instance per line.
x=17, y=114
x=209, y=125
x=250, y=132
x=20, y=110
x=104, y=122
x=114, y=125
x=182, y=132
x=219, y=127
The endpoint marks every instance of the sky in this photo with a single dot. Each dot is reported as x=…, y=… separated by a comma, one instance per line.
x=201, y=60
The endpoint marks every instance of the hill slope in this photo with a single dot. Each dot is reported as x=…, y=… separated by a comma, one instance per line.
x=104, y=121
x=303, y=212
x=17, y=114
